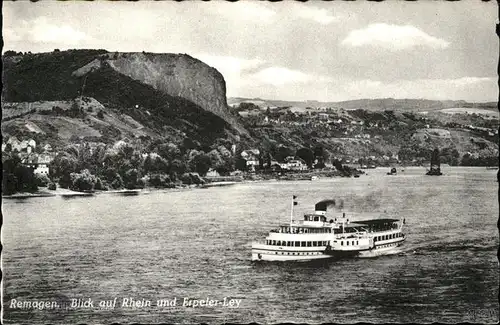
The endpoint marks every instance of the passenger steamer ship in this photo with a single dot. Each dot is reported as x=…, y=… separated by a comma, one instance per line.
x=316, y=238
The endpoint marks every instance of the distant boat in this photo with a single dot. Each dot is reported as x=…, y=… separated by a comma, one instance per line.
x=393, y=171
x=435, y=164
x=313, y=178
x=216, y=184
x=129, y=192
x=77, y=194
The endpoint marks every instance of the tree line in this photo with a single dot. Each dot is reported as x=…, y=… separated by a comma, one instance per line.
x=159, y=163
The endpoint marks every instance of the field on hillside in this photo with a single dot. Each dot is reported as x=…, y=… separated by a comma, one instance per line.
x=461, y=110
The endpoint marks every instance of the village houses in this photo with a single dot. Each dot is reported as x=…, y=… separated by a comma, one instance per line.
x=293, y=163
x=252, y=158
x=20, y=146
x=39, y=163
x=26, y=150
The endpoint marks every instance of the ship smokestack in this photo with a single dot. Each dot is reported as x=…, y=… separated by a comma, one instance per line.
x=321, y=207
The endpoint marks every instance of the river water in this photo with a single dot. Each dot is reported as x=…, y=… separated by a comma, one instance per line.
x=196, y=244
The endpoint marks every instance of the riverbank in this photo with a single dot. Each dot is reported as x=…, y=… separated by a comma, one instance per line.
x=24, y=195
x=305, y=175
x=66, y=193
x=209, y=182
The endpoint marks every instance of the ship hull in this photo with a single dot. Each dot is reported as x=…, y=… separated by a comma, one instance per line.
x=261, y=252
x=380, y=250
x=264, y=256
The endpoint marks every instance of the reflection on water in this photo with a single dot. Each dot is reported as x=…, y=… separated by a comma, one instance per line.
x=196, y=244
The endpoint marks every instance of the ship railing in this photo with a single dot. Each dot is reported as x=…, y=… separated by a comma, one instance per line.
x=352, y=235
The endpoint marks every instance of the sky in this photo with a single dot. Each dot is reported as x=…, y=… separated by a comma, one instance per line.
x=325, y=51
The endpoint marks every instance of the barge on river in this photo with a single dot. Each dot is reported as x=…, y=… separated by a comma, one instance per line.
x=315, y=237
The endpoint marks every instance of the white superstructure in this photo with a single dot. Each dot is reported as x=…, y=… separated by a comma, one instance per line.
x=316, y=237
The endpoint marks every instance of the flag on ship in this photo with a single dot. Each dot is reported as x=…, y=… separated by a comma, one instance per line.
x=295, y=202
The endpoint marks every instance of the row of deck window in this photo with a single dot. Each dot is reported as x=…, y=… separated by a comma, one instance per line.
x=298, y=253
x=324, y=243
x=303, y=230
x=347, y=242
x=296, y=243
x=388, y=245
x=387, y=237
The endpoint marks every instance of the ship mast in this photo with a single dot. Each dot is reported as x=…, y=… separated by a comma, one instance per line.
x=291, y=212
x=343, y=223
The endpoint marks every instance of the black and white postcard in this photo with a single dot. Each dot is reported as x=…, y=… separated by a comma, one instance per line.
x=249, y=162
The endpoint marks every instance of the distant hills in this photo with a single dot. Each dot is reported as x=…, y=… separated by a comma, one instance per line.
x=415, y=105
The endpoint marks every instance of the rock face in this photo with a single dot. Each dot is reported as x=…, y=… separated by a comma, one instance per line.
x=175, y=74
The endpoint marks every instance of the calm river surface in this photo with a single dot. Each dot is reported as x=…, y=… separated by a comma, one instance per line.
x=196, y=244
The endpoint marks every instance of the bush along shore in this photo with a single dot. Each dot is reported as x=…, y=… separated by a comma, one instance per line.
x=195, y=182
x=91, y=168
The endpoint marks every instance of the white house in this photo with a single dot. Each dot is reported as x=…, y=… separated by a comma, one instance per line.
x=249, y=153
x=41, y=169
x=15, y=144
x=323, y=116
x=252, y=162
x=40, y=163
x=47, y=148
x=22, y=146
x=251, y=157
x=284, y=165
x=212, y=173
x=293, y=164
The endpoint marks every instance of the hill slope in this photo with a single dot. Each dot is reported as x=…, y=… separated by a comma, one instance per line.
x=155, y=90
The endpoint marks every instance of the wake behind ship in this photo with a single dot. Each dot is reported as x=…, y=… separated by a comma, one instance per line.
x=315, y=237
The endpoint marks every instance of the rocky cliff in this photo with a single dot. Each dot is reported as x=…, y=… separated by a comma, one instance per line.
x=65, y=75
x=178, y=75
